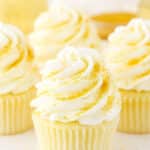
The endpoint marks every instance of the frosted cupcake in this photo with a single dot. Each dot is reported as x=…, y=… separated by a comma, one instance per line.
x=128, y=58
x=77, y=106
x=58, y=27
x=17, y=79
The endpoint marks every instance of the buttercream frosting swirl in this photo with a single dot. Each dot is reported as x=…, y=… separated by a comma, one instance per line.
x=17, y=74
x=76, y=87
x=61, y=26
x=128, y=55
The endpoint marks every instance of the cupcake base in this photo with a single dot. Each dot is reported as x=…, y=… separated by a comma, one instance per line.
x=15, y=112
x=73, y=136
x=135, y=114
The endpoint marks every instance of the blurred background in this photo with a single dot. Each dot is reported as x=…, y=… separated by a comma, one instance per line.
x=107, y=14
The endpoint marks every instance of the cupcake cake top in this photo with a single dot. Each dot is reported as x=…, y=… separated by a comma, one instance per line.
x=62, y=26
x=76, y=87
x=128, y=55
x=16, y=71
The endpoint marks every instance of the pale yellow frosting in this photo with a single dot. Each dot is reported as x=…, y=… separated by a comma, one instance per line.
x=61, y=26
x=128, y=55
x=76, y=87
x=16, y=71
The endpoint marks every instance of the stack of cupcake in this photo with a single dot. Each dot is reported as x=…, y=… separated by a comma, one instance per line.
x=77, y=100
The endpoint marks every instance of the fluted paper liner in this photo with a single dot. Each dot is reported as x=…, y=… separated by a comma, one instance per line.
x=73, y=136
x=135, y=114
x=15, y=112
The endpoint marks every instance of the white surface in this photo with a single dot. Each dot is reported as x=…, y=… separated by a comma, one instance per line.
x=27, y=141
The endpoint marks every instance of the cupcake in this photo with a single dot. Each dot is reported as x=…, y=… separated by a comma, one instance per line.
x=58, y=27
x=77, y=105
x=128, y=58
x=17, y=79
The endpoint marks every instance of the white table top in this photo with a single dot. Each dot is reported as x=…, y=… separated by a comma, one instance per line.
x=27, y=141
